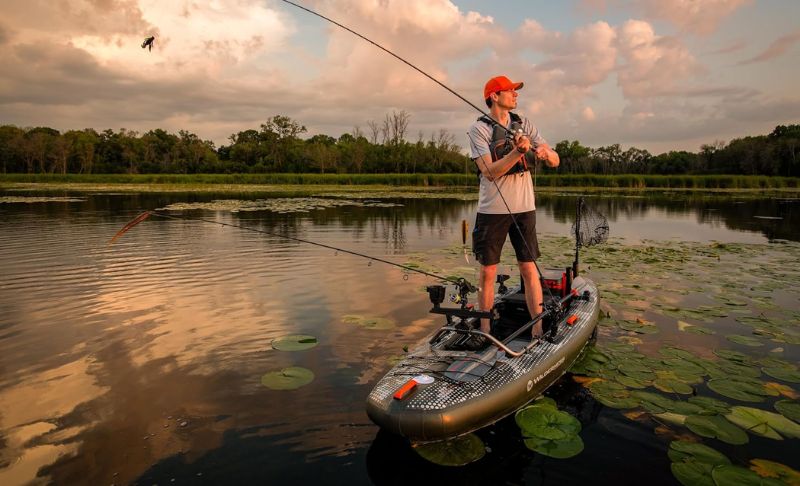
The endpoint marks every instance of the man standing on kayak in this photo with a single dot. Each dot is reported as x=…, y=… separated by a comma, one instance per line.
x=506, y=189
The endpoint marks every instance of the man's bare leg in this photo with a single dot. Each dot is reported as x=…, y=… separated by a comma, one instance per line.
x=533, y=292
x=486, y=293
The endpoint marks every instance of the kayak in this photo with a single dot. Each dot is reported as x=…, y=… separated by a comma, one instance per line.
x=447, y=386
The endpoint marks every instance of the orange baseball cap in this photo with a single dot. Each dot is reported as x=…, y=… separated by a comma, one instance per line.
x=499, y=83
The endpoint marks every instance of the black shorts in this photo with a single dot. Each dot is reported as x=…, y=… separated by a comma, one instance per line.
x=490, y=233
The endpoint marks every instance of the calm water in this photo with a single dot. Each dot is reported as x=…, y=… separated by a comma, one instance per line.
x=141, y=362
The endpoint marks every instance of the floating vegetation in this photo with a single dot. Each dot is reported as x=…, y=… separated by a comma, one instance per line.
x=549, y=431
x=685, y=451
x=763, y=423
x=776, y=470
x=294, y=342
x=288, y=378
x=783, y=374
x=37, y=199
x=456, y=452
x=788, y=409
x=378, y=323
x=739, y=390
x=745, y=340
x=277, y=205
x=716, y=427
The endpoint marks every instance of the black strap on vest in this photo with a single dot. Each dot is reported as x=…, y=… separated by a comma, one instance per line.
x=502, y=143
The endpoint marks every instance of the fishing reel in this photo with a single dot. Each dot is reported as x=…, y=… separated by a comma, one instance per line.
x=464, y=288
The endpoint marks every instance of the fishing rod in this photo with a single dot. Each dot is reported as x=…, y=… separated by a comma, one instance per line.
x=463, y=285
x=508, y=131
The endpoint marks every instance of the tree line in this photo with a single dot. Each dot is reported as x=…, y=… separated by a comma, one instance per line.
x=384, y=147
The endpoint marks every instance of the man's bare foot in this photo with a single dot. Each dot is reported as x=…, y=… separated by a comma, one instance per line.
x=537, y=330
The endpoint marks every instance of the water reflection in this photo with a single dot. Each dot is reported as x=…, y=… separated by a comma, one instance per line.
x=142, y=361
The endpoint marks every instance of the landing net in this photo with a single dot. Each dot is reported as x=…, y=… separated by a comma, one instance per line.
x=590, y=227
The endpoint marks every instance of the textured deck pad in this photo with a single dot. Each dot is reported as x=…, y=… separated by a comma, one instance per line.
x=474, y=366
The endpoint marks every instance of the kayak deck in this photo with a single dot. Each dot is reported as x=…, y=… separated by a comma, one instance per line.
x=472, y=389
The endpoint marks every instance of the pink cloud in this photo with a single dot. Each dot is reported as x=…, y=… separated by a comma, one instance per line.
x=775, y=49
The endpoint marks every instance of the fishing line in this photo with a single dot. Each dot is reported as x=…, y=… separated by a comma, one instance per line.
x=147, y=214
x=508, y=131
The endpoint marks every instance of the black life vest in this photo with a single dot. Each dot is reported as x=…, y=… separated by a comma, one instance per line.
x=502, y=143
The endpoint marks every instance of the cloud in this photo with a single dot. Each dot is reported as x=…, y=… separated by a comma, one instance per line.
x=221, y=66
x=653, y=65
x=696, y=16
x=775, y=49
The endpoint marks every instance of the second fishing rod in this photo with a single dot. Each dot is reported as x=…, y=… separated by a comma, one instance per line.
x=513, y=131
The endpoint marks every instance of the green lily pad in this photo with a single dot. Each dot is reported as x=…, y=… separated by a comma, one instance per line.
x=672, y=418
x=711, y=406
x=673, y=386
x=685, y=451
x=546, y=423
x=288, y=378
x=632, y=382
x=559, y=449
x=732, y=355
x=377, y=323
x=693, y=473
x=456, y=452
x=729, y=475
x=294, y=342
x=745, y=340
x=771, y=362
x=764, y=423
x=716, y=427
x=788, y=409
x=545, y=402
x=735, y=389
x=784, y=374
x=679, y=353
x=700, y=330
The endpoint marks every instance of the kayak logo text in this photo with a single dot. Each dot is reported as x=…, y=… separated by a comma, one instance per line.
x=549, y=370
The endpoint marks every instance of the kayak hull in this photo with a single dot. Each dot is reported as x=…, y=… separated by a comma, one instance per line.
x=455, y=404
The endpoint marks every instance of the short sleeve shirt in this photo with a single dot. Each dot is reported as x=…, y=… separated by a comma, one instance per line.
x=516, y=189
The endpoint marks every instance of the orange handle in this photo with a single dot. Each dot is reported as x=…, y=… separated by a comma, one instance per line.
x=404, y=390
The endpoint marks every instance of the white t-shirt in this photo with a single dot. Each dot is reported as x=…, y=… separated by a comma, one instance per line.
x=517, y=188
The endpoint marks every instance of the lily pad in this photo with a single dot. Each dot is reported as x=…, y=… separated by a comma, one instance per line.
x=684, y=451
x=673, y=386
x=559, y=449
x=764, y=423
x=711, y=406
x=736, y=390
x=744, y=340
x=377, y=323
x=783, y=374
x=788, y=409
x=288, y=378
x=716, y=427
x=693, y=473
x=671, y=352
x=729, y=475
x=771, y=469
x=546, y=423
x=294, y=342
x=672, y=418
x=732, y=355
x=456, y=452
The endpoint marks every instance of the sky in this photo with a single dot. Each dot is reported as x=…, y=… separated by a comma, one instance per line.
x=655, y=74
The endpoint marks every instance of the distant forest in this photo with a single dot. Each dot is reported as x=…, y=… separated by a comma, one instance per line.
x=383, y=147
